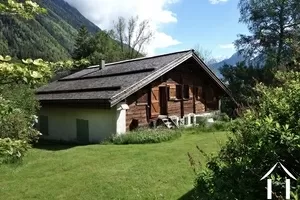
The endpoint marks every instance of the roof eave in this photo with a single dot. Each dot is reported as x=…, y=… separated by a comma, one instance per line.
x=99, y=102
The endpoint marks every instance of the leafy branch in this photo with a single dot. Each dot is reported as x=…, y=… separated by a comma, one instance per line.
x=27, y=10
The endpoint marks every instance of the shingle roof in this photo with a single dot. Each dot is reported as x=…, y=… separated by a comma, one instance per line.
x=114, y=82
x=86, y=84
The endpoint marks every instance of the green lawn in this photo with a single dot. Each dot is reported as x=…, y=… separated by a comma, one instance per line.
x=152, y=171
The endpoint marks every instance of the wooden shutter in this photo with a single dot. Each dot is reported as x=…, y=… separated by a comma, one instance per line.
x=155, y=109
x=178, y=91
x=186, y=92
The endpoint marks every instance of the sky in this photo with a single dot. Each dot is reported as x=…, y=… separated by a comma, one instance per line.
x=176, y=24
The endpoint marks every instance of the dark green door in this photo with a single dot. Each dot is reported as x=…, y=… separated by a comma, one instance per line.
x=82, y=127
x=44, y=128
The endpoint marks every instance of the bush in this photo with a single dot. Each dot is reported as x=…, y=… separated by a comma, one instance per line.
x=201, y=121
x=12, y=150
x=146, y=136
x=16, y=132
x=21, y=97
x=204, y=126
x=267, y=134
x=15, y=124
x=222, y=117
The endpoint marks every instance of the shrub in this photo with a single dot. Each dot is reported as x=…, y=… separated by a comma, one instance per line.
x=15, y=124
x=21, y=97
x=146, y=136
x=204, y=126
x=16, y=132
x=267, y=134
x=221, y=117
x=12, y=150
x=201, y=121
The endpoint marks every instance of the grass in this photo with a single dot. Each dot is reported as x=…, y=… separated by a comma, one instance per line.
x=148, y=171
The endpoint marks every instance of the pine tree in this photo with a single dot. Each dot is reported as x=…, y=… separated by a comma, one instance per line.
x=275, y=27
x=82, y=47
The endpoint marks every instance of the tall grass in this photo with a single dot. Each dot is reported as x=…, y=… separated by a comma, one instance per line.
x=146, y=136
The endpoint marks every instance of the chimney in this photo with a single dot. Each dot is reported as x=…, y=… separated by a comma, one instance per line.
x=102, y=64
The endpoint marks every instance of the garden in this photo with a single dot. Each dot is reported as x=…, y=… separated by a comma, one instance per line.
x=133, y=171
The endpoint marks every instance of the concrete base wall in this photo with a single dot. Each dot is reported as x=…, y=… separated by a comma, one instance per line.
x=102, y=123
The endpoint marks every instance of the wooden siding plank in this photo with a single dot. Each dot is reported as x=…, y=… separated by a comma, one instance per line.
x=195, y=104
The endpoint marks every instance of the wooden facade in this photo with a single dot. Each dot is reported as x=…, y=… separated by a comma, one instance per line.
x=186, y=89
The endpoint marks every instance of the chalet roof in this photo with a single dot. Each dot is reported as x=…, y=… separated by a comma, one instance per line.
x=117, y=80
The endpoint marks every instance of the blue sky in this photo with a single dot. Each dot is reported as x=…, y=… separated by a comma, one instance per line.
x=176, y=24
x=213, y=26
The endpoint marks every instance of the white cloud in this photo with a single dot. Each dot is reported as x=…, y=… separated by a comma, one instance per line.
x=226, y=46
x=104, y=12
x=217, y=1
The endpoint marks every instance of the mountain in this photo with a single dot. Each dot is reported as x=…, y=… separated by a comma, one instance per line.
x=49, y=36
x=235, y=58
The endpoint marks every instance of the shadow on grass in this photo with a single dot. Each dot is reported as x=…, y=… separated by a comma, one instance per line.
x=189, y=195
x=55, y=145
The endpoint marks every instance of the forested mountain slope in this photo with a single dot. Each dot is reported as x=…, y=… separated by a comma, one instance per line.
x=50, y=36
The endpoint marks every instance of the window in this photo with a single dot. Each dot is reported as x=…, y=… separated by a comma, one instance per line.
x=178, y=92
x=182, y=92
x=142, y=98
x=186, y=92
x=172, y=92
x=199, y=93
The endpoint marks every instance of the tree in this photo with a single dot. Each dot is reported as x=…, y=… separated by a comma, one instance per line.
x=82, y=48
x=31, y=72
x=26, y=71
x=132, y=36
x=241, y=80
x=104, y=47
x=204, y=54
x=275, y=28
x=17, y=80
x=264, y=136
x=16, y=130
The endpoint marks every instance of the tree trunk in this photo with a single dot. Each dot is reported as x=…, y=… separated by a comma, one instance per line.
x=281, y=38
